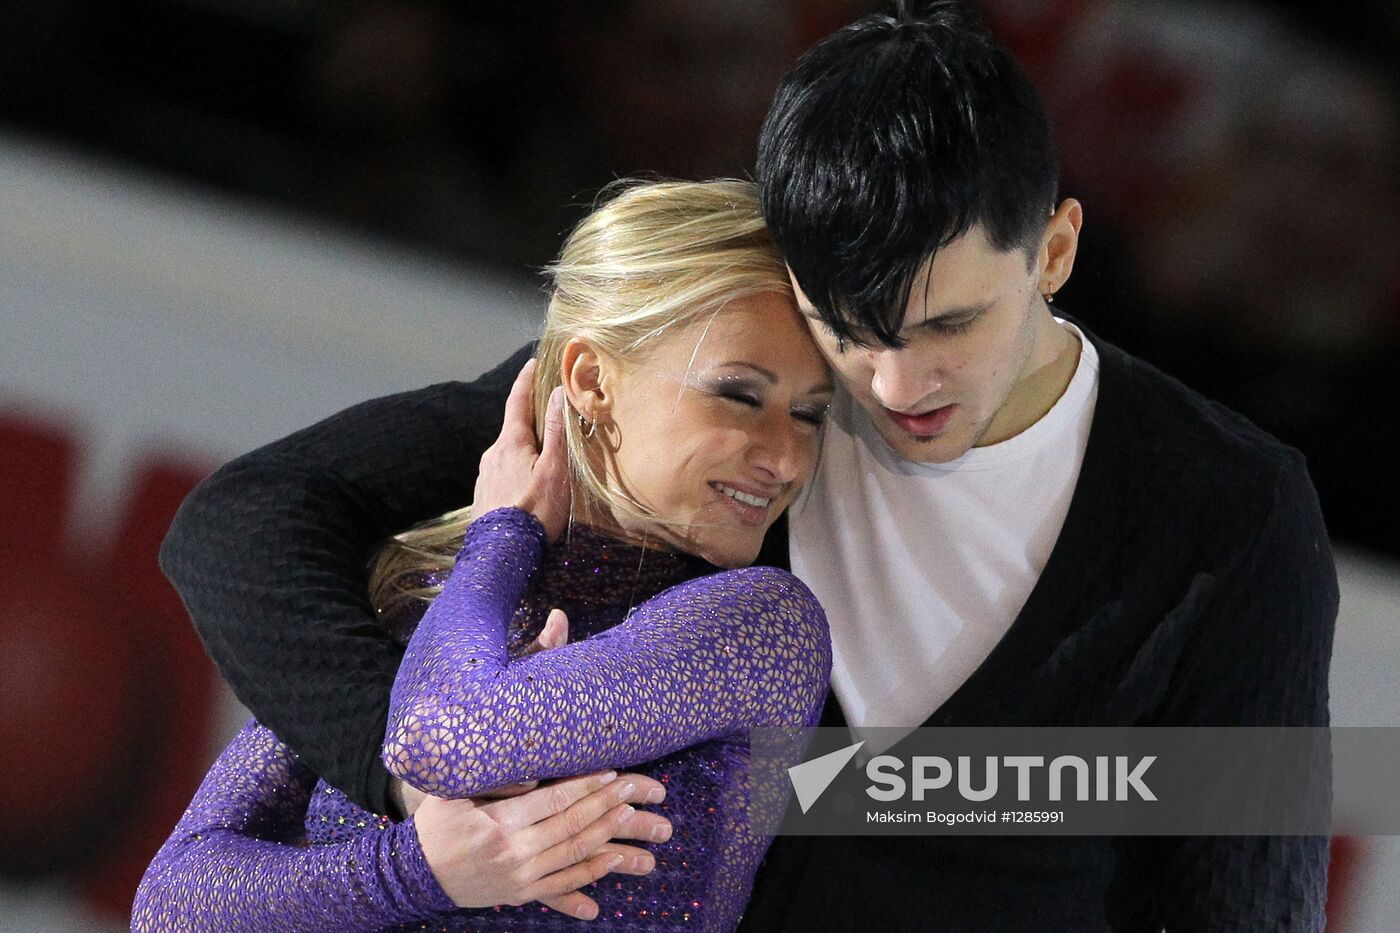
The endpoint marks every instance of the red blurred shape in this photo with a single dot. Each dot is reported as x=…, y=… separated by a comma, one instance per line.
x=1348, y=856
x=105, y=692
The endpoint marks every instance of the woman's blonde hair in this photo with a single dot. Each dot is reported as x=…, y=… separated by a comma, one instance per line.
x=650, y=258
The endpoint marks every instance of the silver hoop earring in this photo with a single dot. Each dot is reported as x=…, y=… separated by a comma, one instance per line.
x=587, y=427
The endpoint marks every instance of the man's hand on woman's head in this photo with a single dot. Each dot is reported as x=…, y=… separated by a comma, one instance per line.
x=543, y=843
x=518, y=470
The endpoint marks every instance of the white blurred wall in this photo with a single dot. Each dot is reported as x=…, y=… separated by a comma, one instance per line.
x=151, y=314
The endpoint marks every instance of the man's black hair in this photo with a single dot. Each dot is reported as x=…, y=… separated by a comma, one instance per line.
x=888, y=140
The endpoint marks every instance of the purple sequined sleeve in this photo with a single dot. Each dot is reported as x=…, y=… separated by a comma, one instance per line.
x=237, y=860
x=710, y=658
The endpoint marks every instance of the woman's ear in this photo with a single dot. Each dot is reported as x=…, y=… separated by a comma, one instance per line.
x=585, y=373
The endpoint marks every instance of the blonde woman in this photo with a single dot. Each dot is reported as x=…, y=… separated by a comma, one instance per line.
x=679, y=398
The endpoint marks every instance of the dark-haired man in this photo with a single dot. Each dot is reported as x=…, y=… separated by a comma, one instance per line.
x=1011, y=524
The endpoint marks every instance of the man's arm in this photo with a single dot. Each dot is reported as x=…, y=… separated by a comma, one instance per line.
x=1259, y=657
x=270, y=556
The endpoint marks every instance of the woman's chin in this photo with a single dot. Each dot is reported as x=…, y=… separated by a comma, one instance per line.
x=731, y=555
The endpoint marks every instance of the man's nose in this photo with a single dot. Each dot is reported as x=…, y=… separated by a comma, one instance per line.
x=898, y=380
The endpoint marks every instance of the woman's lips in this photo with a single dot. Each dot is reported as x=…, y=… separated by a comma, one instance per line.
x=753, y=515
x=925, y=425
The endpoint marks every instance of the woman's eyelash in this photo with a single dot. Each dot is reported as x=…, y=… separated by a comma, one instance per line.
x=810, y=415
x=743, y=398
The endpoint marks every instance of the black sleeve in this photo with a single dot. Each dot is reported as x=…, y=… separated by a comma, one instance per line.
x=1259, y=657
x=270, y=556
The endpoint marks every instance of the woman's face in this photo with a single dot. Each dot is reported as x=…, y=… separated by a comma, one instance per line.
x=714, y=430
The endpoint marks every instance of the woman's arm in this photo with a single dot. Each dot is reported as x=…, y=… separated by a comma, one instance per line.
x=237, y=859
x=710, y=658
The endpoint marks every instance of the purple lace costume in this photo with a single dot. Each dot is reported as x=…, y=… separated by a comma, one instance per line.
x=670, y=663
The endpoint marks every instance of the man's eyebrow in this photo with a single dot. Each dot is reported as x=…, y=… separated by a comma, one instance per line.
x=944, y=315
x=951, y=313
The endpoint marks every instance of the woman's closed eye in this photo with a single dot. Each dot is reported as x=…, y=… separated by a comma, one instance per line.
x=812, y=415
x=742, y=397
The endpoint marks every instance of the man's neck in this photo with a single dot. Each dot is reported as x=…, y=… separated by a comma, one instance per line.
x=1048, y=374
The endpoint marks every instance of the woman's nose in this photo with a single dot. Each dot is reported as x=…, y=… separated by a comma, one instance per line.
x=781, y=451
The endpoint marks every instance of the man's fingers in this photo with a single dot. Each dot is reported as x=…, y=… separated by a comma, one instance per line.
x=645, y=827
x=582, y=841
x=575, y=876
x=519, y=417
x=628, y=788
x=586, y=815
x=554, y=452
x=635, y=861
x=575, y=904
x=544, y=802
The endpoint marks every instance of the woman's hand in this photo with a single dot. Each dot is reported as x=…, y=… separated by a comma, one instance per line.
x=517, y=471
x=541, y=845
x=446, y=851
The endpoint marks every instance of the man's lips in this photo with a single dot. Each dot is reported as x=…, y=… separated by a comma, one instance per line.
x=926, y=424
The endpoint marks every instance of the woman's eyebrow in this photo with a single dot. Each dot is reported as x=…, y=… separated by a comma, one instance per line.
x=825, y=388
x=767, y=374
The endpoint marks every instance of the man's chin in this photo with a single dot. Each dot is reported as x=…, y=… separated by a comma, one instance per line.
x=940, y=448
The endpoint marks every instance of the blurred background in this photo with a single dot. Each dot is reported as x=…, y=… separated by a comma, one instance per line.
x=221, y=220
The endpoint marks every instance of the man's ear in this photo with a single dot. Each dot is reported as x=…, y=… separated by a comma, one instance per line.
x=586, y=373
x=1058, y=246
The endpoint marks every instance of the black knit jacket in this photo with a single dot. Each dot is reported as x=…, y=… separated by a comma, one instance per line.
x=1192, y=584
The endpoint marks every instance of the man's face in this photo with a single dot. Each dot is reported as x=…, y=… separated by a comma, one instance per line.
x=976, y=326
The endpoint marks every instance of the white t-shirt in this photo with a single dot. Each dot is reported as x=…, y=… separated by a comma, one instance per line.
x=922, y=567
